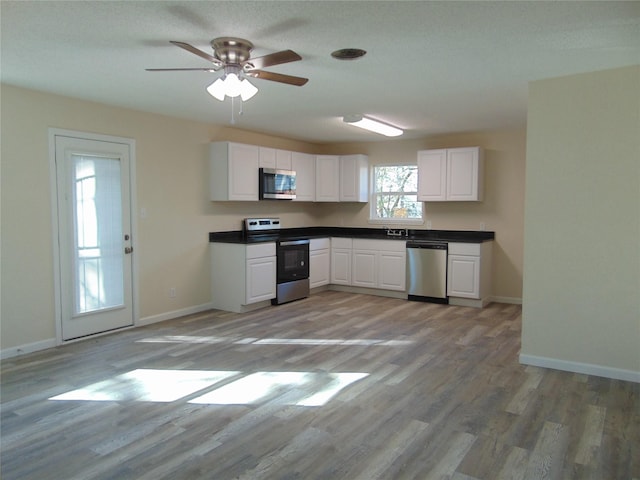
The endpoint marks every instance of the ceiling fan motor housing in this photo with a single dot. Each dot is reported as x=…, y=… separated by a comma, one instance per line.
x=231, y=50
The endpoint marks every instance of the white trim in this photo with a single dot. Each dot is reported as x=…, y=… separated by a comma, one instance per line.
x=511, y=300
x=59, y=132
x=578, y=367
x=27, y=348
x=469, y=302
x=161, y=317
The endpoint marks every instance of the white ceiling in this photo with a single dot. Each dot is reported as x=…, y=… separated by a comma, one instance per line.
x=431, y=67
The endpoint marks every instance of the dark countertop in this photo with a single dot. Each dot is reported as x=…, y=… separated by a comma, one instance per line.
x=239, y=236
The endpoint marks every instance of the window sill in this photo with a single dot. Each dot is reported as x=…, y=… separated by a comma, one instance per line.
x=396, y=221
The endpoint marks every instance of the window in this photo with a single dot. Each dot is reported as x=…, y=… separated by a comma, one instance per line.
x=395, y=194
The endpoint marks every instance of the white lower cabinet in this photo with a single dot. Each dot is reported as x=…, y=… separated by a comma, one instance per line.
x=469, y=273
x=464, y=276
x=242, y=275
x=341, y=260
x=379, y=264
x=393, y=267
x=365, y=268
x=319, y=262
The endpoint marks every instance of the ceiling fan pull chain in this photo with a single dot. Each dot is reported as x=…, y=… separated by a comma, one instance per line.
x=233, y=119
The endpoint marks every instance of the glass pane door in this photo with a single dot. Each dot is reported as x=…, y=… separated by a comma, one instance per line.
x=98, y=235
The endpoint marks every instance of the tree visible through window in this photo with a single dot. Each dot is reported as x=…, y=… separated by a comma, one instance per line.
x=395, y=193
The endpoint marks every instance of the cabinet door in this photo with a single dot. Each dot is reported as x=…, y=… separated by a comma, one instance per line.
x=243, y=172
x=463, y=276
x=462, y=174
x=267, y=157
x=392, y=269
x=341, y=266
x=327, y=178
x=319, y=268
x=354, y=178
x=283, y=160
x=304, y=166
x=432, y=175
x=364, y=271
x=261, y=279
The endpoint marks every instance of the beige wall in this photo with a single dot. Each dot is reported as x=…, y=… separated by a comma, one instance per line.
x=582, y=249
x=172, y=186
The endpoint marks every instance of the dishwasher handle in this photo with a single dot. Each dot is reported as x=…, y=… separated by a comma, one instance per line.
x=432, y=246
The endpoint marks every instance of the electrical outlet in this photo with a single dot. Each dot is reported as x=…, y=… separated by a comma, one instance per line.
x=428, y=224
x=482, y=226
x=172, y=292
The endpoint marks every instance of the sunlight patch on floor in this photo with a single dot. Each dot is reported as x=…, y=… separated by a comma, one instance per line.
x=365, y=342
x=148, y=385
x=310, y=389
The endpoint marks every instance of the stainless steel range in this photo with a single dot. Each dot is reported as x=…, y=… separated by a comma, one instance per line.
x=292, y=277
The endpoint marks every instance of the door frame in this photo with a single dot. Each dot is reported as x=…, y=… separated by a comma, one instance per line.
x=53, y=181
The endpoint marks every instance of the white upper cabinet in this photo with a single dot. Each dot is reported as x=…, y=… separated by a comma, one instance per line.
x=233, y=171
x=283, y=160
x=354, y=178
x=327, y=178
x=454, y=174
x=432, y=175
x=304, y=166
x=274, y=158
x=267, y=157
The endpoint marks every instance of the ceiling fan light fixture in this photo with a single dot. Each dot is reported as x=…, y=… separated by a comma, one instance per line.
x=247, y=90
x=372, y=125
x=231, y=86
x=217, y=90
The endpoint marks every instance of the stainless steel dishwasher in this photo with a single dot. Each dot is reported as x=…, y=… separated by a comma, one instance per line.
x=427, y=271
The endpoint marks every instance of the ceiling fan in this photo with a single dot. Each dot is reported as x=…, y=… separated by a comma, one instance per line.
x=233, y=55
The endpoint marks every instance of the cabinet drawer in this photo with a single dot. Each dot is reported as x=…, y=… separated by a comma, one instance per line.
x=464, y=249
x=379, y=245
x=319, y=244
x=339, y=242
x=261, y=250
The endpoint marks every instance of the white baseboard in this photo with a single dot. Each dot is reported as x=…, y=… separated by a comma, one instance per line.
x=161, y=317
x=577, y=367
x=28, y=348
x=50, y=343
x=511, y=300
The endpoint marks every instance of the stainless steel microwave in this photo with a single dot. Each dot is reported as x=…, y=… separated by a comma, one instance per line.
x=277, y=184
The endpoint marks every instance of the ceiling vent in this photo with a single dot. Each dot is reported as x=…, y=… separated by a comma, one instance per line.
x=348, y=53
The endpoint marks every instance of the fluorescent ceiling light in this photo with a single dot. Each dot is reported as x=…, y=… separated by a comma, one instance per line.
x=372, y=125
x=231, y=86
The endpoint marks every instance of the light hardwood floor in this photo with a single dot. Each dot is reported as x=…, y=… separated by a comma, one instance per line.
x=336, y=386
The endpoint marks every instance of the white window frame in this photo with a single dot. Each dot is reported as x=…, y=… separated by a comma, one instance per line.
x=372, y=201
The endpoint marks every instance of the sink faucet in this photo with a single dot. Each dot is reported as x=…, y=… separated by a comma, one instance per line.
x=397, y=233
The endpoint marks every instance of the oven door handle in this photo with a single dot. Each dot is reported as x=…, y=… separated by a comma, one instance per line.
x=293, y=242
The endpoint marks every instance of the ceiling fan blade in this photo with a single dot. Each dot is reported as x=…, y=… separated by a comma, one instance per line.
x=278, y=77
x=210, y=70
x=285, y=56
x=200, y=53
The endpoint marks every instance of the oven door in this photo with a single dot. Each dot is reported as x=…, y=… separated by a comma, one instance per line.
x=293, y=260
